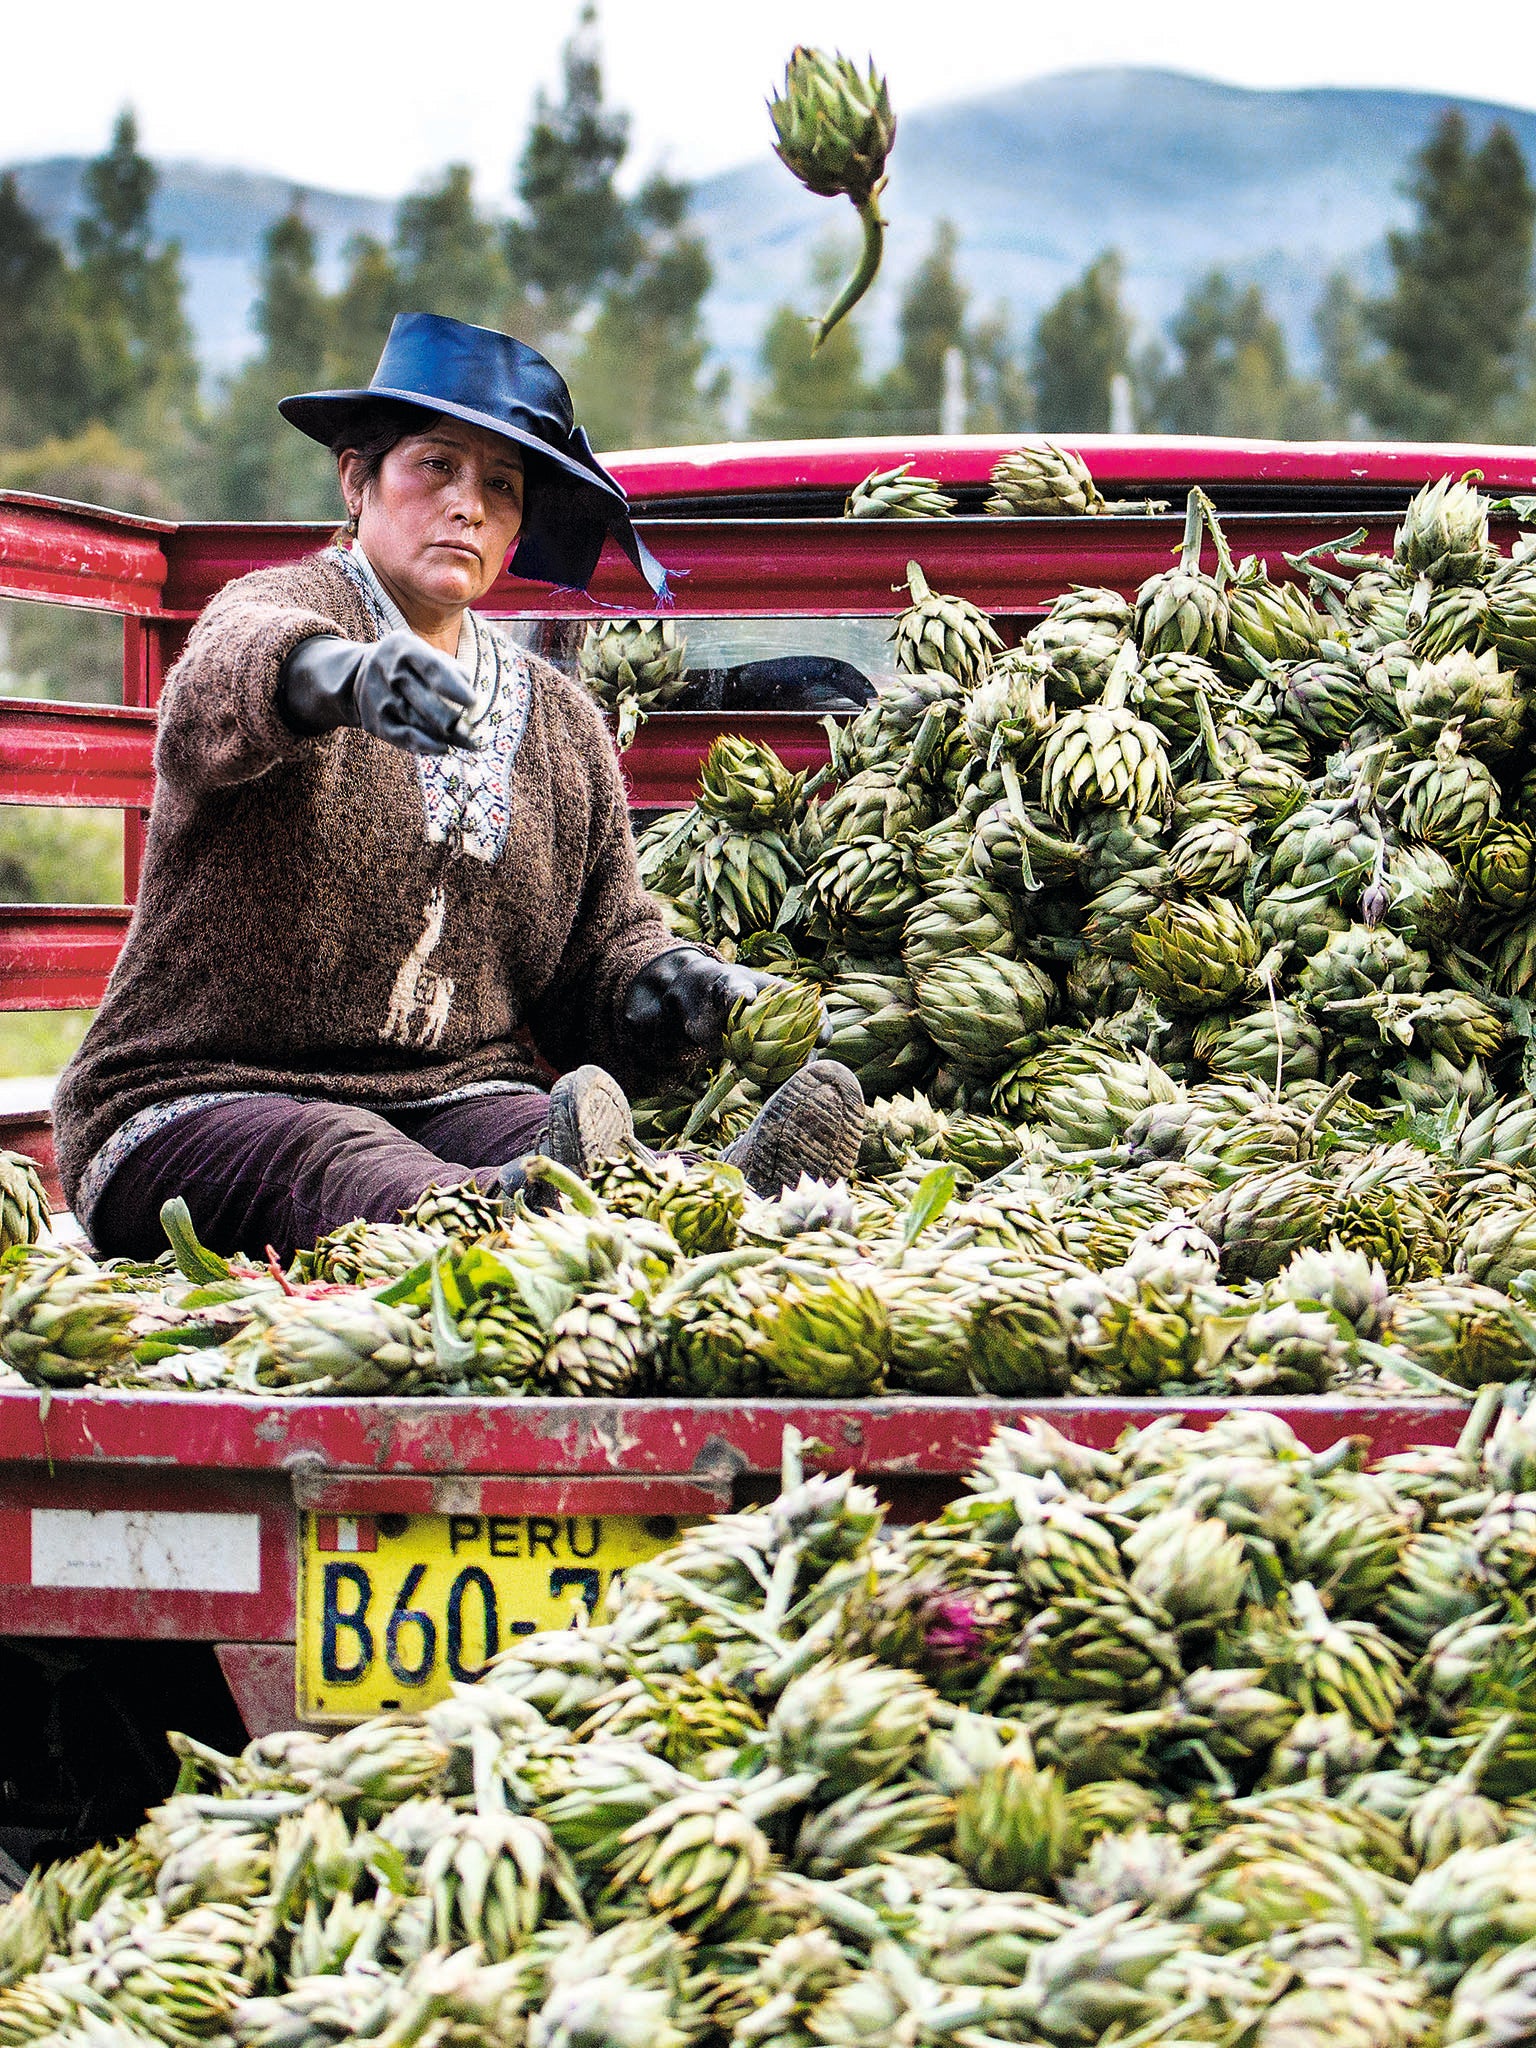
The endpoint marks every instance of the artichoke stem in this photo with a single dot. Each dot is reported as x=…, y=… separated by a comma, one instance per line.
x=1225, y=570
x=713, y=1096
x=1490, y=1399
x=863, y=276
x=1194, y=534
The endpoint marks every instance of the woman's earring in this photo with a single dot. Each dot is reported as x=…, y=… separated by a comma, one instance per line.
x=352, y=524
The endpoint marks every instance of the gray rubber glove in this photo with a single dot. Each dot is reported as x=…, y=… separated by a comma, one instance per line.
x=398, y=688
x=687, y=995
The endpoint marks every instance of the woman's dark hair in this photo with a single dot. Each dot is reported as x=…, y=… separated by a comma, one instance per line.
x=376, y=427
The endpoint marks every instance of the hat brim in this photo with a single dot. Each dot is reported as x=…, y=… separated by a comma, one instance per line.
x=323, y=414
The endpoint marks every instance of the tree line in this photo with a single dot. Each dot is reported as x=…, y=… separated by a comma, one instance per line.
x=100, y=394
x=99, y=388
x=1446, y=352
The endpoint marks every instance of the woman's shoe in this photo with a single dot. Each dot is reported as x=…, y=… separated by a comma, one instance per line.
x=814, y=1124
x=589, y=1120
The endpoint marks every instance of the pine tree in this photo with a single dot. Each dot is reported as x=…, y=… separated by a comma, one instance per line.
x=1339, y=324
x=370, y=296
x=127, y=295
x=998, y=398
x=446, y=258
x=820, y=396
x=260, y=468
x=930, y=323
x=1451, y=328
x=1081, y=343
x=45, y=384
x=576, y=232
x=639, y=381
x=292, y=316
x=1233, y=372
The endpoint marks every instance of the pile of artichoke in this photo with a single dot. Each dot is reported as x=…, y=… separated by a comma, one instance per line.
x=1209, y=1738
x=1050, y=1277
x=1185, y=954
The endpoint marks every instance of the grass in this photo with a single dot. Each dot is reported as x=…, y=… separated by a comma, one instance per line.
x=56, y=856
x=60, y=856
x=40, y=1041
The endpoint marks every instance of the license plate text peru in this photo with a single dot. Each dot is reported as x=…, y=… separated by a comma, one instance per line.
x=393, y=1608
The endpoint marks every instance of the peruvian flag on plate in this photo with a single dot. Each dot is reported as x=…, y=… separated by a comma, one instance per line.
x=346, y=1533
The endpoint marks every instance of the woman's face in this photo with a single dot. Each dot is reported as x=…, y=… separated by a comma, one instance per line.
x=441, y=516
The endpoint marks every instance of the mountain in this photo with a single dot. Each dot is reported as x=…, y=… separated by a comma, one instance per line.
x=1180, y=174
x=219, y=217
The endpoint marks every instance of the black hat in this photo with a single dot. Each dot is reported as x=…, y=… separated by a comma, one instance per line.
x=500, y=384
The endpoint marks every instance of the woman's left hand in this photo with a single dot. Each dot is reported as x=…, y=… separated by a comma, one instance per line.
x=686, y=994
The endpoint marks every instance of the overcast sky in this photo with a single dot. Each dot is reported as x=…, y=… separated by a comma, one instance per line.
x=371, y=95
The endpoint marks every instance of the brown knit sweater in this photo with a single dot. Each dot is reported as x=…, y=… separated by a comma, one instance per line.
x=297, y=931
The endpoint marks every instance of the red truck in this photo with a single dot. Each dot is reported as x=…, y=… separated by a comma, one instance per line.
x=213, y=1562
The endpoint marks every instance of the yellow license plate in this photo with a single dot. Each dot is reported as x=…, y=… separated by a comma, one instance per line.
x=393, y=1608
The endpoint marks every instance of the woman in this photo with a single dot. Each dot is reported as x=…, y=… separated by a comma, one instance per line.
x=387, y=848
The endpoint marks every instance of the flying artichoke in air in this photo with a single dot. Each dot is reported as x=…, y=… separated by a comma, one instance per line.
x=835, y=129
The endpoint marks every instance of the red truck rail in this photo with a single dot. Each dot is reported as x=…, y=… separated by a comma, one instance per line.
x=201, y=1496
x=136, y=1463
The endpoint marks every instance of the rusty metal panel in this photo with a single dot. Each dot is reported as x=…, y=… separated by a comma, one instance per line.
x=80, y=555
x=181, y=1555
x=101, y=1492
x=57, y=956
x=102, y=757
x=202, y=556
x=81, y=756
x=704, y=1440
x=415, y=1493
x=31, y=1131
x=260, y=1677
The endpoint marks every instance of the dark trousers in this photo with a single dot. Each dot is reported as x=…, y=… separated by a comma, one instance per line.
x=280, y=1171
